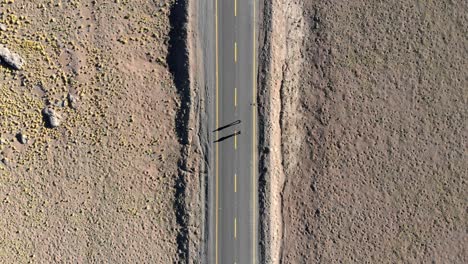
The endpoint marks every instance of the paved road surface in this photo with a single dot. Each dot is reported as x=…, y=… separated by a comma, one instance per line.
x=233, y=183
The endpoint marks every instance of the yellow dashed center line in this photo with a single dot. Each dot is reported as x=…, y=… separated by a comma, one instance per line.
x=235, y=228
x=235, y=52
x=235, y=97
x=235, y=7
x=235, y=183
x=235, y=140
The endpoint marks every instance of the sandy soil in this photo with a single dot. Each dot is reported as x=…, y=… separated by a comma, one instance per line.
x=103, y=186
x=371, y=130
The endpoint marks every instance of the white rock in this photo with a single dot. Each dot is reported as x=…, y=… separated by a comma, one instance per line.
x=10, y=58
x=51, y=117
x=6, y=161
x=22, y=138
x=72, y=100
x=3, y=27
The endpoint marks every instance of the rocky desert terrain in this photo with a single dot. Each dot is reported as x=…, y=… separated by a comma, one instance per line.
x=93, y=131
x=364, y=131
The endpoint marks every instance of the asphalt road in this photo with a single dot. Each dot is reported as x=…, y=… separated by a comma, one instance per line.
x=233, y=206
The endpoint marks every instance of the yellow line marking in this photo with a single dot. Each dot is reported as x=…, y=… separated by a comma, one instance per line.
x=235, y=96
x=235, y=7
x=235, y=228
x=235, y=51
x=254, y=94
x=235, y=141
x=235, y=183
x=217, y=136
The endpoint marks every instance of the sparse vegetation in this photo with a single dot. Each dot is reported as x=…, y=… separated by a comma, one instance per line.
x=101, y=185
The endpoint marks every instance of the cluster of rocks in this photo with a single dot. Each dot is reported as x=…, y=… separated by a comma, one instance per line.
x=51, y=117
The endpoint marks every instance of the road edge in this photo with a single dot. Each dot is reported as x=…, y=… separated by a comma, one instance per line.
x=199, y=133
x=201, y=82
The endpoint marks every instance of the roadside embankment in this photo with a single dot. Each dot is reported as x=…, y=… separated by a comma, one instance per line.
x=281, y=39
x=182, y=60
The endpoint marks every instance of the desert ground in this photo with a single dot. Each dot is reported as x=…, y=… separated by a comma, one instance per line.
x=362, y=147
x=90, y=154
x=364, y=107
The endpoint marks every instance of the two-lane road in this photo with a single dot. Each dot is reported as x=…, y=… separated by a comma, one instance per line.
x=233, y=183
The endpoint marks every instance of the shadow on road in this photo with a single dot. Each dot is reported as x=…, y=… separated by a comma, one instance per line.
x=228, y=125
x=226, y=137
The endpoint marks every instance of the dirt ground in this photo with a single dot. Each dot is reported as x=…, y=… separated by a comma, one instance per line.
x=363, y=107
x=366, y=104
x=102, y=186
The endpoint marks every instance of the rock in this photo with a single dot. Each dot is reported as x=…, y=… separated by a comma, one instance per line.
x=22, y=138
x=10, y=58
x=51, y=118
x=6, y=161
x=72, y=101
x=3, y=27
